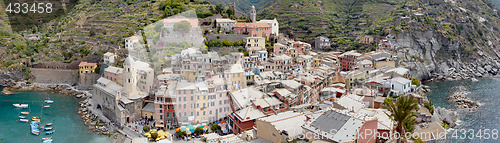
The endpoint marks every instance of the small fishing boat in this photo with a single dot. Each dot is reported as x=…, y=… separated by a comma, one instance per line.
x=47, y=141
x=48, y=128
x=46, y=138
x=21, y=105
x=25, y=113
x=49, y=124
x=35, y=118
x=22, y=117
x=49, y=132
x=23, y=120
x=49, y=101
x=46, y=106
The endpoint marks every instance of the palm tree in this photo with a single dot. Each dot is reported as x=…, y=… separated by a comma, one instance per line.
x=401, y=112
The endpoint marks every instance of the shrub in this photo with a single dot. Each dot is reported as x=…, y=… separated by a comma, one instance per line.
x=154, y=135
x=198, y=130
x=415, y=81
x=215, y=127
x=146, y=128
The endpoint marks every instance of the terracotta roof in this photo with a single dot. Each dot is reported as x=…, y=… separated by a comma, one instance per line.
x=86, y=64
x=251, y=25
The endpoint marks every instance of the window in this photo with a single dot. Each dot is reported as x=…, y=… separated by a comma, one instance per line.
x=191, y=113
x=192, y=98
x=168, y=114
x=220, y=102
x=184, y=107
x=185, y=99
x=184, y=93
x=160, y=111
x=192, y=93
x=197, y=113
x=185, y=114
x=210, y=112
x=161, y=117
x=160, y=106
x=203, y=113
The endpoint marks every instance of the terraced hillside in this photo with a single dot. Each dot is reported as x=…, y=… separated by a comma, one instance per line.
x=305, y=19
x=244, y=6
x=91, y=27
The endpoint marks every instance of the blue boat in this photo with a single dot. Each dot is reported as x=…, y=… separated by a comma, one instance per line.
x=35, y=127
x=47, y=140
x=49, y=132
x=49, y=101
x=22, y=117
x=48, y=128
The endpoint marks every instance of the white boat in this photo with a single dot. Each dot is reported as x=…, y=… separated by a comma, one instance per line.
x=23, y=120
x=49, y=101
x=21, y=105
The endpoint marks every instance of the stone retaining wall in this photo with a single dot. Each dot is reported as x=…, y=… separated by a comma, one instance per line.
x=55, y=76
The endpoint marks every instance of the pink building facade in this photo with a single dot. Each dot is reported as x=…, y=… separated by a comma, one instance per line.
x=253, y=29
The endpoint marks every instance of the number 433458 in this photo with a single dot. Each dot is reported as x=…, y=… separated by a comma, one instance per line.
x=29, y=8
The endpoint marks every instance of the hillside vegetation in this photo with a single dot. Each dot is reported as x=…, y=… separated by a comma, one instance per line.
x=345, y=20
x=244, y=6
x=91, y=27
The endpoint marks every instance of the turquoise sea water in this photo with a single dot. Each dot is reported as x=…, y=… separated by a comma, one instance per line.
x=487, y=92
x=68, y=126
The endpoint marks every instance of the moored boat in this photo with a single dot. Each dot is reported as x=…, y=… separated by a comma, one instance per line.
x=21, y=105
x=46, y=106
x=25, y=113
x=47, y=141
x=35, y=118
x=23, y=120
x=49, y=101
x=49, y=124
x=22, y=117
x=48, y=128
x=49, y=132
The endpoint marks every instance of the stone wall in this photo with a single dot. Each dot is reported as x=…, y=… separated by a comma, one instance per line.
x=55, y=76
x=87, y=80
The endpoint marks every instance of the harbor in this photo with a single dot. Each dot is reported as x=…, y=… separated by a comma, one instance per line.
x=54, y=120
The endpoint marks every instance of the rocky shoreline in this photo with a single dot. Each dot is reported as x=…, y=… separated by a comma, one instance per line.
x=463, y=101
x=91, y=120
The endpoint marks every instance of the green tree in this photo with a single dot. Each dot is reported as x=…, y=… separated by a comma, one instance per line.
x=415, y=81
x=429, y=106
x=401, y=112
x=180, y=133
x=198, y=130
x=230, y=12
x=238, y=43
x=215, y=127
x=227, y=43
x=182, y=26
x=97, y=70
x=219, y=8
x=146, y=128
x=154, y=135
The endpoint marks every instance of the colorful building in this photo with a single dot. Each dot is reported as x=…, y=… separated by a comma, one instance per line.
x=253, y=29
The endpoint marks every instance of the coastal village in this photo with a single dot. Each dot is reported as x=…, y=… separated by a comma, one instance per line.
x=286, y=91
